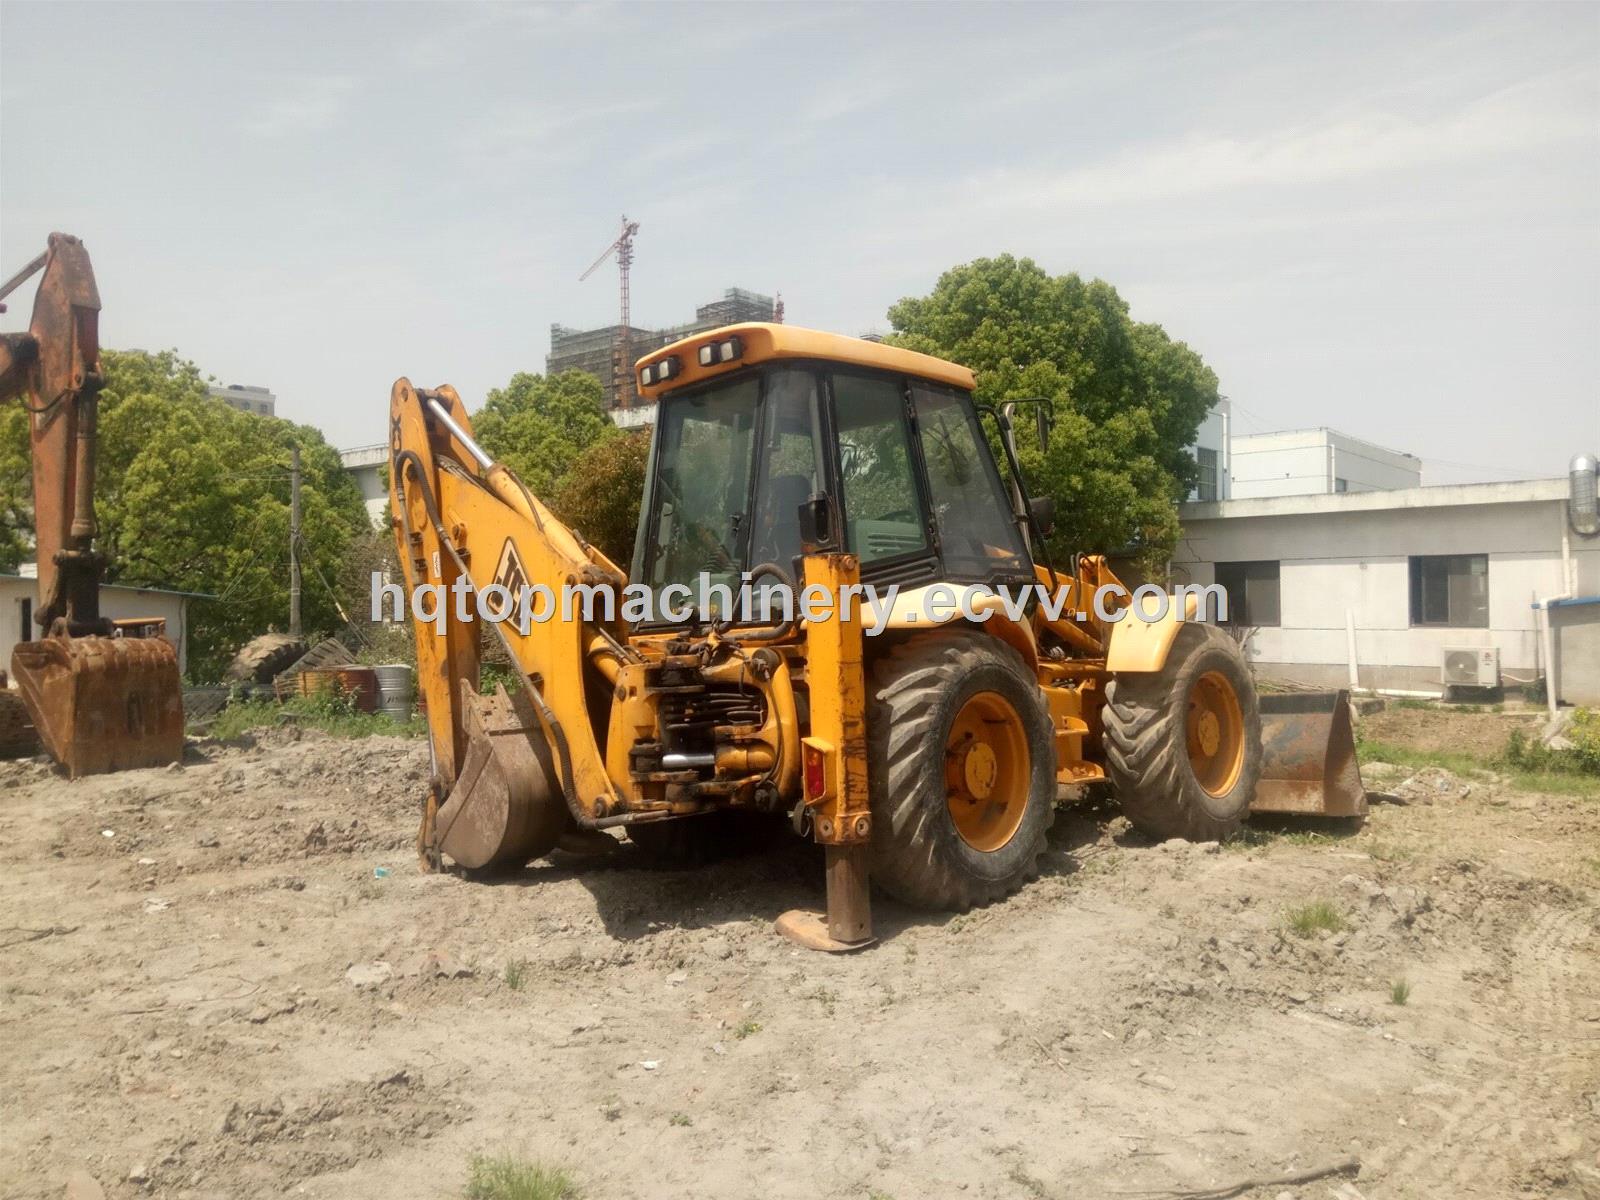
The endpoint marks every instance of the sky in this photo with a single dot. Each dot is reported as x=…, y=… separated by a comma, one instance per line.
x=1380, y=219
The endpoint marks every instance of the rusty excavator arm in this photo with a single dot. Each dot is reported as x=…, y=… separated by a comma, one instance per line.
x=103, y=695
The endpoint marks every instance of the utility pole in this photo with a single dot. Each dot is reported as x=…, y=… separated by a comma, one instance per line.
x=294, y=540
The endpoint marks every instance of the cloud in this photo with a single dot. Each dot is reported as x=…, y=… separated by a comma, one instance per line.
x=1533, y=115
x=311, y=105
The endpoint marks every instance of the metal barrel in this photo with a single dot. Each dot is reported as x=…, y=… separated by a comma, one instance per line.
x=1308, y=751
x=396, y=690
x=359, y=683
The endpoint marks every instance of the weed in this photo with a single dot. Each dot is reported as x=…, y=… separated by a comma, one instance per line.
x=332, y=714
x=1529, y=766
x=1390, y=851
x=516, y=974
x=746, y=1029
x=1308, y=919
x=1399, y=992
x=680, y=1119
x=506, y=1177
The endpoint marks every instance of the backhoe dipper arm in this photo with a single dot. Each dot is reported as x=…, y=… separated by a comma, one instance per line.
x=102, y=696
x=464, y=524
x=55, y=369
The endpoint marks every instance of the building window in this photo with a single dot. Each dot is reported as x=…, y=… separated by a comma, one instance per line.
x=1207, y=487
x=1341, y=485
x=1253, y=591
x=25, y=634
x=1450, y=589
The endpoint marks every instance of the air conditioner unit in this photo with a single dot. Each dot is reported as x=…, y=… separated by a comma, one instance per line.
x=1474, y=666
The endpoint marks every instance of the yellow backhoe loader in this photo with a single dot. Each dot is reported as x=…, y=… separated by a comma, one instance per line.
x=926, y=758
x=103, y=695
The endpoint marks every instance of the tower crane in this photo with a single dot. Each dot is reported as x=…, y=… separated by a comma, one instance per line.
x=621, y=355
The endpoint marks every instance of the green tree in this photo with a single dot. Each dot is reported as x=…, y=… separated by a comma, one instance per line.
x=1126, y=400
x=538, y=425
x=601, y=494
x=192, y=495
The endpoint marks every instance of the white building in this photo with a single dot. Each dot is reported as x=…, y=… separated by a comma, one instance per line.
x=1213, y=451
x=1413, y=572
x=1300, y=462
x=257, y=400
x=18, y=593
x=369, y=465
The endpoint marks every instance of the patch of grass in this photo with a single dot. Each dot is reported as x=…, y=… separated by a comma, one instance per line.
x=1405, y=756
x=680, y=1119
x=1399, y=992
x=333, y=715
x=1556, y=784
x=1385, y=851
x=506, y=1177
x=516, y=974
x=1526, y=770
x=1307, y=919
x=746, y=1029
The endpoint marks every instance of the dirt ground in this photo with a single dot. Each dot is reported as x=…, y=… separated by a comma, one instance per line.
x=228, y=980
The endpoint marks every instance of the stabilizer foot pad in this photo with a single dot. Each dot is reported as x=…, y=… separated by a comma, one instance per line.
x=809, y=930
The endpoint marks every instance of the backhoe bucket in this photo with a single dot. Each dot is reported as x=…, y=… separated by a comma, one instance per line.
x=504, y=810
x=101, y=703
x=1308, y=749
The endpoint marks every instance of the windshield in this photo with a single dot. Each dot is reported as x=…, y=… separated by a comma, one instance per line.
x=708, y=518
x=702, y=485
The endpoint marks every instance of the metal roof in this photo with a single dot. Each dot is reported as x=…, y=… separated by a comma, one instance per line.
x=122, y=587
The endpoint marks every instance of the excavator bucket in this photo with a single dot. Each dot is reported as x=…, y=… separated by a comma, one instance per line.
x=1308, y=749
x=503, y=811
x=103, y=703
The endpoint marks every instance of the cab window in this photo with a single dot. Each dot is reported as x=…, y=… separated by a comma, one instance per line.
x=977, y=536
x=882, y=509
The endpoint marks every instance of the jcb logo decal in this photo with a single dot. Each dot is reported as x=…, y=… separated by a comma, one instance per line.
x=509, y=573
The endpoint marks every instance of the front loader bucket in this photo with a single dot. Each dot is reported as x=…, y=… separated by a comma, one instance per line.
x=1308, y=750
x=103, y=704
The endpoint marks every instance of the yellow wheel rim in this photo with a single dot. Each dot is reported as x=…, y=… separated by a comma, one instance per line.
x=1215, y=733
x=987, y=771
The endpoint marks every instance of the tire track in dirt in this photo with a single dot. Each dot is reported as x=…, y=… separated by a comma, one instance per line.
x=1496, y=1129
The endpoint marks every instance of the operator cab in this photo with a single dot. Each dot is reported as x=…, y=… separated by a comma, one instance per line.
x=757, y=422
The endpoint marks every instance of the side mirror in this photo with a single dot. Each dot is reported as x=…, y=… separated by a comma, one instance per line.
x=1042, y=511
x=818, y=530
x=1041, y=417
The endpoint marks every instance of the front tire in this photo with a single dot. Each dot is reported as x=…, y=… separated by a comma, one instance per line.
x=962, y=771
x=1184, y=743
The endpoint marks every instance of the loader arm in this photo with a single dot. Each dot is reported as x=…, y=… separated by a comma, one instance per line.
x=465, y=525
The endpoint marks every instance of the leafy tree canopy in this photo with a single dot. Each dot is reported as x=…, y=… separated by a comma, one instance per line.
x=600, y=496
x=1126, y=400
x=192, y=495
x=538, y=425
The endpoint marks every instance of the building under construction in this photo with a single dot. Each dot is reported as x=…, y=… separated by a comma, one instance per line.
x=595, y=351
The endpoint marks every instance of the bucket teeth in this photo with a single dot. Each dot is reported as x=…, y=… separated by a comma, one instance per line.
x=103, y=704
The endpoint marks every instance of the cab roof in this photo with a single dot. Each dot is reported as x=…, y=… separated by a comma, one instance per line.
x=762, y=342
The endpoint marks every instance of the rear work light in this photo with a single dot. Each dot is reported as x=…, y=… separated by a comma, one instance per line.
x=660, y=372
x=714, y=354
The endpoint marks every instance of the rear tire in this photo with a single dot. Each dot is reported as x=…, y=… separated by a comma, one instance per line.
x=1184, y=743
x=957, y=729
